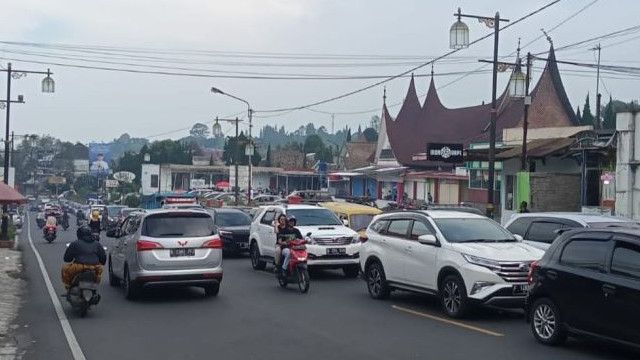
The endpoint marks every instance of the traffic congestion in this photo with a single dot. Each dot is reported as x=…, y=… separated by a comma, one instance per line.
x=466, y=262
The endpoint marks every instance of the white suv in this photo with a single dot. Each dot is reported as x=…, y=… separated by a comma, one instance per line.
x=332, y=245
x=463, y=258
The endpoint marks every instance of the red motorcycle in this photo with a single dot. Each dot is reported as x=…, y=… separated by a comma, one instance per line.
x=297, y=271
x=49, y=232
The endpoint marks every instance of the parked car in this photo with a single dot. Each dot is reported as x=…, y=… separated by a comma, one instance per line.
x=541, y=229
x=166, y=247
x=332, y=245
x=233, y=228
x=587, y=284
x=113, y=214
x=265, y=199
x=465, y=259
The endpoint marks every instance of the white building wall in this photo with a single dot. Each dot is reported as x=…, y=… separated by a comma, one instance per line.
x=145, y=180
x=627, y=161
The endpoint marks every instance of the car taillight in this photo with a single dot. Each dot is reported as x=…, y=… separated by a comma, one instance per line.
x=213, y=243
x=532, y=268
x=142, y=245
x=363, y=238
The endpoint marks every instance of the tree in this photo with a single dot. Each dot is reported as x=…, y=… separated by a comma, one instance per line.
x=268, y=157
x=199, y=130
x=234, y=149
x=310, y=129
x=587, y=116
x=578, y=115
x=349, y=135
x=370, y=134
x=375, y=122
x=609, y=117
x=359, y=129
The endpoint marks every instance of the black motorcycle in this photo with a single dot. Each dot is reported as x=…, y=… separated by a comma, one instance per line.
x=49, y=232
x=84, y=292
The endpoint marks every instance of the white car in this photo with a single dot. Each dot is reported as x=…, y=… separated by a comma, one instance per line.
x=332, y=245
x=463, y=258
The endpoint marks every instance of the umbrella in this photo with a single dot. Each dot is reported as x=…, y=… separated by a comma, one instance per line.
x=9, y=195
x=222, y=184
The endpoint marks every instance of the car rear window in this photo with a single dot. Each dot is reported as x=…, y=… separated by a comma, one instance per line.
x=232, y=218
x=178, y=225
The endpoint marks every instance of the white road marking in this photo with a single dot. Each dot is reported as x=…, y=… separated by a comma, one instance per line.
x=74, y=346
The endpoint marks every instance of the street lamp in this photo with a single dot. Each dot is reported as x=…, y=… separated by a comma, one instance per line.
x=216, y=129
x=459, y=34
x=461, y=40
x=48, y=85
x=517, y=82
x=215, y=90
x=147, y=157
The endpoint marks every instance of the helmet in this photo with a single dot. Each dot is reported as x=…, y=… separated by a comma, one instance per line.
x=292, y=218
x=84, y=232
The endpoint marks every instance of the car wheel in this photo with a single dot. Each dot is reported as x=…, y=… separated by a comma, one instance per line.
x=453, y=296
x=256, y=263
x=211, y=290
x=131, y=289
x=113, y=280
x=546, y=322
x=376, y=281
x=351, y=271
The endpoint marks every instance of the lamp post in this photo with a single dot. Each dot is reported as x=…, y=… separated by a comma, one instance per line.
x=217, y=131
x=48, y=86
x=458, y=39
x=250, y=114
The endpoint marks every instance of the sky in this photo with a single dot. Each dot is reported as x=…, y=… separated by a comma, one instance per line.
x=363, y=37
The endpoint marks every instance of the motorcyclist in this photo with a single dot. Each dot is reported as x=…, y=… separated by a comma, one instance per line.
x=94, y=223
x=82, y=254
x=278, y=225
x=51, y=224
x=287, y=234
x=65, y=219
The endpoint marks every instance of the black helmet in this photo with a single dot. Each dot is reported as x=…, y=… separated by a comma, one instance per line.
x=84, y=232
x=292, y=218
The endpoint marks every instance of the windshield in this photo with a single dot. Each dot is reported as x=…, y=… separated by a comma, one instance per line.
x=114, y=210
x=359, y=222
x=232, y=219
x=473, y=230
x=178, y=225
x=307, y=217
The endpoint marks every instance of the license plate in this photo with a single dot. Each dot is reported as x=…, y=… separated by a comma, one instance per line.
x=520, y=289
x=336, y=251
x=182, y=252
x=243, y=245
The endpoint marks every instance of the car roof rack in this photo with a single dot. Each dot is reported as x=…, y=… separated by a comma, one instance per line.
x=413, y=211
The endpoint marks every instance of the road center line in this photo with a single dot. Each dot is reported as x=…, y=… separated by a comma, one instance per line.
x=448, y=321
x=74, y=346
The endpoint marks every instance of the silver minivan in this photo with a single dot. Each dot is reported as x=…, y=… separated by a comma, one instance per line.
x=166, y=247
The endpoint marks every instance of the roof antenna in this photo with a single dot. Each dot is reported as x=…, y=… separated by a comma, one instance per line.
x=548, y=37
x=432, y=63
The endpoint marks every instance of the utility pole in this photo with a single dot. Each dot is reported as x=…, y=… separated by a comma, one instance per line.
x=12, y=150
x=525, y=122
x=598, y=124
x=333, y=118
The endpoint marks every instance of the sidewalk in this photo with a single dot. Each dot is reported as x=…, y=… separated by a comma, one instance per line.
x=10, y=287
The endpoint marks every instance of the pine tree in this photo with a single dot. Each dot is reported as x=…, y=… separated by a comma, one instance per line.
x=587, y=116
x=268, y=159
x=349, y=135
x=578, y=115
x=609, y=117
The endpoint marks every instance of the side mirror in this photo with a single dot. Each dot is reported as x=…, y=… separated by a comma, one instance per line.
x=427, y=239
x=518, y=237
x=345, y=222
x=308, y=234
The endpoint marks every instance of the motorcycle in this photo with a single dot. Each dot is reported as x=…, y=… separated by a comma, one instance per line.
x=65, y=225
x=49, y=232
x=83, y=292
x=297, y=271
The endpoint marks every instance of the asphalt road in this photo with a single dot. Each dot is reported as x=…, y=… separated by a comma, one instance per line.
x=253, y=318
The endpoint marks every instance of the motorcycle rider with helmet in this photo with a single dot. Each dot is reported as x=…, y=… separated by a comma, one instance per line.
x=284, y=236
x=82, y=254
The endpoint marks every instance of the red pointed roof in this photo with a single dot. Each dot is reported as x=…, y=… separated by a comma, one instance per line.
x=9, y=195
x=416, y=125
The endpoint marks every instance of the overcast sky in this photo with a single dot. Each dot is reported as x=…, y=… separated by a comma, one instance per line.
x=100, y=105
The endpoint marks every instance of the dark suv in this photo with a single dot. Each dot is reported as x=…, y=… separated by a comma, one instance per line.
x=587, y=283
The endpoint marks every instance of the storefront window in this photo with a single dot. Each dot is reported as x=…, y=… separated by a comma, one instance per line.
x=479, y=179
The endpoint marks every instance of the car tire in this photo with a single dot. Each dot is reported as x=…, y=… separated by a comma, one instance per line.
x=453, y=296
x=211, y=290
x=377, y=281
x=256, y=262
x=113, y=280
x=351, y=271
x=131, y=289
x=546, y=322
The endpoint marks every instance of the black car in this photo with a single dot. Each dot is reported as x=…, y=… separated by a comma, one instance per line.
x=587, y=284
x=233, y=227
